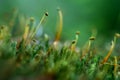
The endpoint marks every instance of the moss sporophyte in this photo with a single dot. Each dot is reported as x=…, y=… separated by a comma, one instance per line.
x=28, y=56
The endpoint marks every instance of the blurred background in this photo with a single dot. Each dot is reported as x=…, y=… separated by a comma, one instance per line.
x=78, y=15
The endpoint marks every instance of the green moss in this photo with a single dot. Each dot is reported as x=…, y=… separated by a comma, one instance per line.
x=41, y=58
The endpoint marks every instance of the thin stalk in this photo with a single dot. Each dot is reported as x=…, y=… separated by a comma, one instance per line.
x=60, y=26
x=38, y=26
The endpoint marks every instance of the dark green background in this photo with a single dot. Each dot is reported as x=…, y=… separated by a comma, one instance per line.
x=82, y=15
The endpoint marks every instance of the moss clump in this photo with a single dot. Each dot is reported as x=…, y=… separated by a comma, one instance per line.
x=32, y=58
